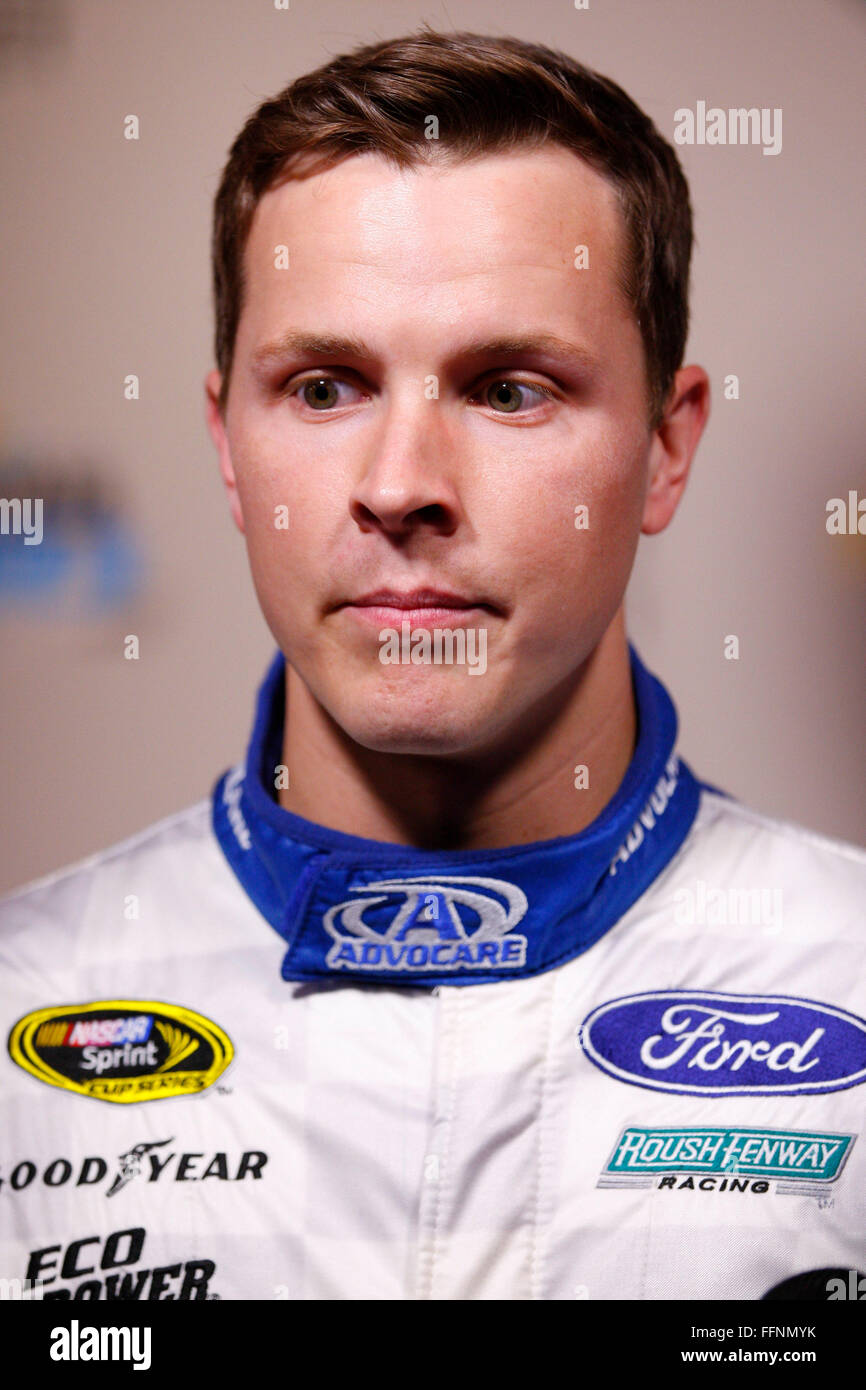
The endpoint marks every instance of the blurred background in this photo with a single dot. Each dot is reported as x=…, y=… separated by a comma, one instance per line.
x=105, y=276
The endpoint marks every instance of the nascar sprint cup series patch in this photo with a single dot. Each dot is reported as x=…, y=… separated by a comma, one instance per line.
x=121, y=1050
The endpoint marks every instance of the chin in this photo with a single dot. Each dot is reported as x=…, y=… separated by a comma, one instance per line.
x=411, y=742
x=413, y=722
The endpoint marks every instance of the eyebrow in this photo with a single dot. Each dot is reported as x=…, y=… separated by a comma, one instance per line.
x=310, y=345
x=294, y=343
x=534, y=344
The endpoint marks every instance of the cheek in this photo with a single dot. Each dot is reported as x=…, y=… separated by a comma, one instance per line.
x=262, y=482
x=582, y=524
x=273, y=531
x=276, y=477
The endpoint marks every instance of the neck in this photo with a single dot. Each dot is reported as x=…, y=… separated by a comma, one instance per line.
x=521, y=793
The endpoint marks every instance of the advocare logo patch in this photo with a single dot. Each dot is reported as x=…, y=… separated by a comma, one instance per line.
x=419, y=923
x=708, y=1043
x=121, y=1050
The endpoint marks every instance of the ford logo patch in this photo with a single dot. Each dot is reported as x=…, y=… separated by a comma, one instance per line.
x=709, y=1044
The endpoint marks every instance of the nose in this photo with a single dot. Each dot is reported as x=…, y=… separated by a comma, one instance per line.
x=407, y=483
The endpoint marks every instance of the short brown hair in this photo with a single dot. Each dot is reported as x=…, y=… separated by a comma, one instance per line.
x=489, y=95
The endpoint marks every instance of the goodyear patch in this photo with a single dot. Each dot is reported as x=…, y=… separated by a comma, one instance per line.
x=121, y=1050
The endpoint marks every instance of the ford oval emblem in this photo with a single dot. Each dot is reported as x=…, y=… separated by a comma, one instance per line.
x=709, y=1044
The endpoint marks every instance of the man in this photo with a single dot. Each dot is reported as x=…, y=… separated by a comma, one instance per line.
x=464, y=987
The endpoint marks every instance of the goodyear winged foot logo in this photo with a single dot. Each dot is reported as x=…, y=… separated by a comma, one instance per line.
x=418, y=923
x=121, y=1050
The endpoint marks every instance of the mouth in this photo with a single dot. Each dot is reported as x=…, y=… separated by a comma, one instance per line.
x=419, y=607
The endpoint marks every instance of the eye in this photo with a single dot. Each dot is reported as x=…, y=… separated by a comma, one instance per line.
x=321, y=392
x=506, y=396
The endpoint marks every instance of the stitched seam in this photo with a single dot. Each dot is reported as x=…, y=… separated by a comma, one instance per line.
x=543, y=1153
x=432, y=1204
x=444, y=1183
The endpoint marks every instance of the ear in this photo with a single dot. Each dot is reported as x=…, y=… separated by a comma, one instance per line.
x=217, y=427
x=673, y=446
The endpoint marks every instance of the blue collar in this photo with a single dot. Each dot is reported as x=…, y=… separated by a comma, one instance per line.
x=365, y=910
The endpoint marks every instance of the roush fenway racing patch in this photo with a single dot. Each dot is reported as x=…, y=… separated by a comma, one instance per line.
x=723, y=1158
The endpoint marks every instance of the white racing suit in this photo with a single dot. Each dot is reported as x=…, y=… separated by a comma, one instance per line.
x=250, y=1057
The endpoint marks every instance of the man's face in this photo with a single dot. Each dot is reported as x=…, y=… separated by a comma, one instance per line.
x=421, y=456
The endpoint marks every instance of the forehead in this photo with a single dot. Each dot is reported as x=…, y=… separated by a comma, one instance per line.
x=497, y=230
